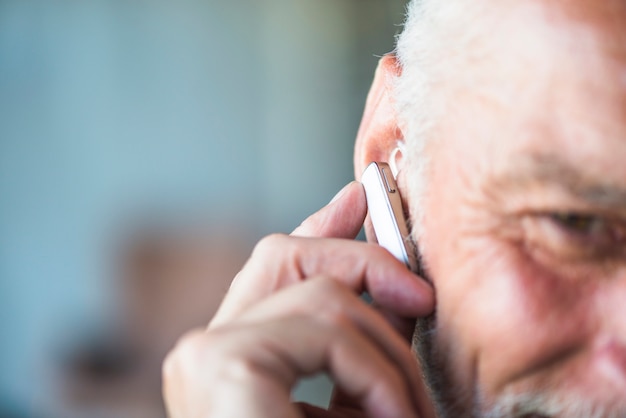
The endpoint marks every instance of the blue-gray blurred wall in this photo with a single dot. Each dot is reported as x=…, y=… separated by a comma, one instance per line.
x=116, y=113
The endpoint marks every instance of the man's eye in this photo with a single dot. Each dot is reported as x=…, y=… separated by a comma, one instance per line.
x=575, y=237
x=580, y=223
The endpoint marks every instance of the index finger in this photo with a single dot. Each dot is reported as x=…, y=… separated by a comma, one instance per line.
x=280, y=261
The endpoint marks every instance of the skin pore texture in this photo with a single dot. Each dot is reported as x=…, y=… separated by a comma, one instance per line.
x=517, y=190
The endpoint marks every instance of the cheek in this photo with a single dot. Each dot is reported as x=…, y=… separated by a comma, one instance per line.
x=505, y=315
x=499, y=314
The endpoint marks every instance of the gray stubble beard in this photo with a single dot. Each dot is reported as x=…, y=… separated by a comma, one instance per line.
x=450, y=399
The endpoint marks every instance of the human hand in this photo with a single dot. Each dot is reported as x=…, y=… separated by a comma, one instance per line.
x=294, y=311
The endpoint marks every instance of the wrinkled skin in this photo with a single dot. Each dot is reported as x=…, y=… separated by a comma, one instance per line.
x=525, y=222
x=523, y=238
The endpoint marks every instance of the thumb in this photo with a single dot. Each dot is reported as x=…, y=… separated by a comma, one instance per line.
x=343, y=217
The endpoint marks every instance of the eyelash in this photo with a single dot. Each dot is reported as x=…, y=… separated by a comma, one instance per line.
x=579, y=223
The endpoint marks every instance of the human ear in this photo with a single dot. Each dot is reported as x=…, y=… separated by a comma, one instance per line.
x=380, y=137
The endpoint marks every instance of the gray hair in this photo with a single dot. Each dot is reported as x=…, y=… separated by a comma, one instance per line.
x=432, y=50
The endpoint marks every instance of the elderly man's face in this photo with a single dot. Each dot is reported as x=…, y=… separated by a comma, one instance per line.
x=525, y=219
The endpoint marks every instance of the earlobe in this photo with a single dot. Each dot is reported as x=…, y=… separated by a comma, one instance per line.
x=379, y=133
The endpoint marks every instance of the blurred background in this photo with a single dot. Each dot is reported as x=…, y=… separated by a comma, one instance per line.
x=145, y=146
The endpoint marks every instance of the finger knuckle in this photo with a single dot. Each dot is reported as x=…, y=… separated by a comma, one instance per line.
x=332, y=291
x=309, y=223
x=326, y=286
x=211, y=353
x=390, y=385
x=330, y=299
x=336, y=319
x=230, y=362
x=378, y=252
x=238, y=369
x=168, y=369
x=185, y=352
x=269, y=245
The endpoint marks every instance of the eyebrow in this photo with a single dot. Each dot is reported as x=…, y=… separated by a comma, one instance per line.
x=553, y=170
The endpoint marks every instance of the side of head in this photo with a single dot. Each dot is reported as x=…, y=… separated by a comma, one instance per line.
x=513, y=119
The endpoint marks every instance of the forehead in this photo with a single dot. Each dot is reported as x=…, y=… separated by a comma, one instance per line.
x=551, y=80
x=578, y=41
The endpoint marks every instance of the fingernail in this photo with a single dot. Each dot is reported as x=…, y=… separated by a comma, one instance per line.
x=341, y=193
